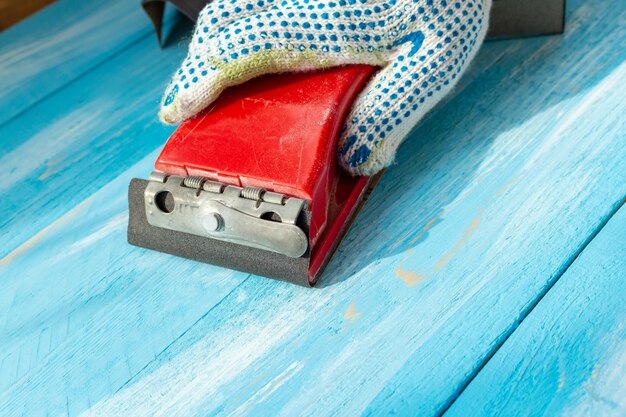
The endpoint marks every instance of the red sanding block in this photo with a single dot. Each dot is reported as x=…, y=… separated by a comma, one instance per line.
x=252, y=183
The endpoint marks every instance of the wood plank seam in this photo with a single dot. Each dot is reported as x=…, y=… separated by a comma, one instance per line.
x=187, y=330
x=568, y=358
x=531, y=307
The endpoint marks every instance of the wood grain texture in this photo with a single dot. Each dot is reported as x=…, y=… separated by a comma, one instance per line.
x=97, y=311
x=70, y=144
x=62, y=42
x=491, y=199
x=568, y=358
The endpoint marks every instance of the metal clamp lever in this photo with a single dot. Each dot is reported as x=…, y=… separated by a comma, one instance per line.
x=233, y=214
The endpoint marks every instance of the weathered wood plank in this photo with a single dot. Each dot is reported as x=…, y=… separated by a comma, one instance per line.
x=58, y=44
x=81, y=311
x=69, y=145
x=569, y=356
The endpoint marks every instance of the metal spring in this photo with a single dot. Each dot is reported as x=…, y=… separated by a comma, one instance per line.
x=193, y=182
x=252, y=193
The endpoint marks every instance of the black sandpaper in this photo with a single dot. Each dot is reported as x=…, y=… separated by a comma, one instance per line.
x=211, y=251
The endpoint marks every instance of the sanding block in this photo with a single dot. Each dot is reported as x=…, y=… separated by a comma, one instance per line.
x=253, y=183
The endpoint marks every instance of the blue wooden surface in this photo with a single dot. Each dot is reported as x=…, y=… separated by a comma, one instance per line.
x=491, y=200
x=58, y=44
x=68, y=145
x=568, y=357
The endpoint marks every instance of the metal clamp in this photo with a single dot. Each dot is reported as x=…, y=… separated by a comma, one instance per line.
x=247, y=216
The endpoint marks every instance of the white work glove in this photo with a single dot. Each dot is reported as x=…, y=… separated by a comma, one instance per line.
x=422, y=47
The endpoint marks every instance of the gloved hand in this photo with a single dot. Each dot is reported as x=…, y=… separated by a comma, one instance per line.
x=422, y=46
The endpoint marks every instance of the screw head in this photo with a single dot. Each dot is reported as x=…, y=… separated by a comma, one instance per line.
x=212, y=222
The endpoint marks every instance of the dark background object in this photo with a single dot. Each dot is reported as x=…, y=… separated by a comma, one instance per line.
x=509, y=18
x=155, y=9
x=515, y=18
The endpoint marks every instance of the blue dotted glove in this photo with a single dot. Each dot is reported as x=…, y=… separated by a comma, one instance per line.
x=422, y=46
